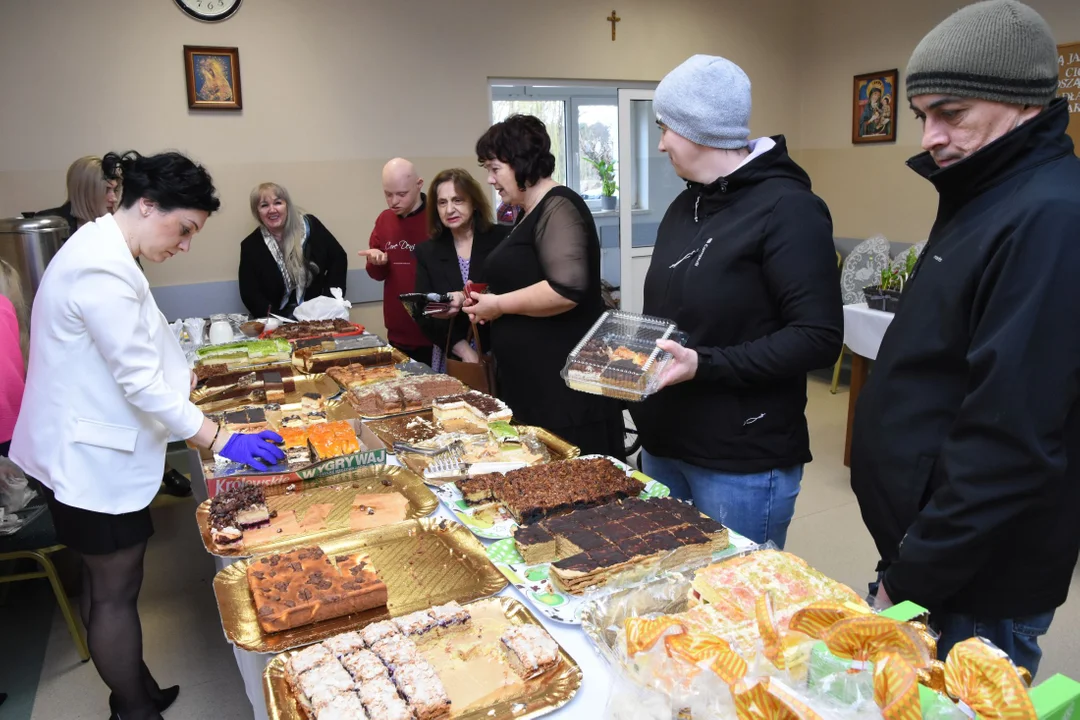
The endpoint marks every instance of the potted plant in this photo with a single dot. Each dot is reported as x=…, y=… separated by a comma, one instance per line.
x=606, y=169
x=598, y=151
x=885, y=295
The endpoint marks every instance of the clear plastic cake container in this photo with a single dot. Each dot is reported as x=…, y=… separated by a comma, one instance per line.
x=619, y=358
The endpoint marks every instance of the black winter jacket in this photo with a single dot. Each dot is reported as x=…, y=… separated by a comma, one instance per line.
x=261, y=283
x=437, y=271
x=966, y=449
x=747, y=267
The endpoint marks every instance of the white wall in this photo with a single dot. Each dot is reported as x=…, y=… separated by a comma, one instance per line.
x=332, y=89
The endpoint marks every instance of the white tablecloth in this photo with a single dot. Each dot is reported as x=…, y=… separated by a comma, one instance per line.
x=591, y=697
x=864, y=328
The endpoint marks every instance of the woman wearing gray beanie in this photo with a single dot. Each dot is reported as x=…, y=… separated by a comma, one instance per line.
x=744, y=262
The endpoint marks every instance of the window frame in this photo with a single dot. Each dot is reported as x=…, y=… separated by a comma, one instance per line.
x=589, y=95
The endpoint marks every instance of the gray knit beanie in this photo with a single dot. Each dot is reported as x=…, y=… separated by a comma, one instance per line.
x=999, y=50
x=706, y=100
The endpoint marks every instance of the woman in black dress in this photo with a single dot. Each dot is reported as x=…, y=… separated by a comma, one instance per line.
x=291, y=257
x=544, y=282
x=462, y=235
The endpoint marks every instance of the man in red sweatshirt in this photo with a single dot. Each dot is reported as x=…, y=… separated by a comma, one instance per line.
x=391, y=258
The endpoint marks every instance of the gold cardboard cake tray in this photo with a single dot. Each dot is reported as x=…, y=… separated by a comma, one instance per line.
x=337, y=490
x=536, y=697
x=423, y=562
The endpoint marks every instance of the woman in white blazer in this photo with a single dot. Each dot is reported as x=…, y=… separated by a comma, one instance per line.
x=107, y=386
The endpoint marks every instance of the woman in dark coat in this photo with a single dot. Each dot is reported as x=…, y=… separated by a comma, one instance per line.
x=462, y=236
x=545, y=295
x=291, y=257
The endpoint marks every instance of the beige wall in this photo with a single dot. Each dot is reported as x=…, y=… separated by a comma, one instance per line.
x=869, y=188
x=333, y=88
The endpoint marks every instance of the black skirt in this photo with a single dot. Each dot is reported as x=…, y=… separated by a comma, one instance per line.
x=96, y=533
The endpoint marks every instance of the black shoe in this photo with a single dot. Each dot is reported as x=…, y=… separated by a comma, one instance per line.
x=168, y=697
x=3, y=697
x=175, y=484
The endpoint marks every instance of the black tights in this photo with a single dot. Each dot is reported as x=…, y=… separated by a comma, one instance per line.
x=110, y=613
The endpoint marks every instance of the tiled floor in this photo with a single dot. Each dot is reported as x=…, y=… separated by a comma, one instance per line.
x=184, y=642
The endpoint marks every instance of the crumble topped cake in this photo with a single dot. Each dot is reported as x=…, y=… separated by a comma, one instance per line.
x=530, y=650
x=344, y=644
x=321, y=684
x=306, y=659
x=449, y=614
x=461, y=666
x=395, y=650
x=533, y=493
x=235, y=509
x=346, y=706
x=422, y=689
x=416, y=623
x=377, y=632
x=381, y=700
x=304, y=586
x=364, y=666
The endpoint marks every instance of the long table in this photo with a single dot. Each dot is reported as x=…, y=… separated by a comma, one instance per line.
x=591, y=697
x=864, y=330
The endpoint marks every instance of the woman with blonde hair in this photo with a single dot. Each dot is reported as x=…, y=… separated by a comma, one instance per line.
x=90, y=194
x=289, y=258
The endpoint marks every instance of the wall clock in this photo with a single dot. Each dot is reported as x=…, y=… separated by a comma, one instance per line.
x=209, y=10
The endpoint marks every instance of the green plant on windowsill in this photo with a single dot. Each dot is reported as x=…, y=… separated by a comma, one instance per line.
x=606, y=169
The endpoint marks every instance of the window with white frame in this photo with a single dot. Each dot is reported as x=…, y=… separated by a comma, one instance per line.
x=583, y=123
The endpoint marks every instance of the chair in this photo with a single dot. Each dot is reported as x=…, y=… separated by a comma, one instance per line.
x=36, y=542
x=861, y=269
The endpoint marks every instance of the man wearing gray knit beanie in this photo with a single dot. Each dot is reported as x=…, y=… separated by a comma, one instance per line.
x=744, y=263
x=966, y=443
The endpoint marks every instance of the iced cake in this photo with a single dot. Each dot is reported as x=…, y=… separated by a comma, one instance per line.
x=333, y=439
x=468, y=410
x=406, y=394
x=586, y=547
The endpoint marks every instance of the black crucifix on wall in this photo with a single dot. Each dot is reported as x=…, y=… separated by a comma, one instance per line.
x=613, y=18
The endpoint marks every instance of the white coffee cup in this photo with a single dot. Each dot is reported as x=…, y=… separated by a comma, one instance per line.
x=220, y=332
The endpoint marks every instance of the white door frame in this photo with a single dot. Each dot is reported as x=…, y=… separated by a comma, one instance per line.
x=630, y=288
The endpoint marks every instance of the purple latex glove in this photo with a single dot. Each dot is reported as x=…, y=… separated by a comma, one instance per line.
x=256, y=450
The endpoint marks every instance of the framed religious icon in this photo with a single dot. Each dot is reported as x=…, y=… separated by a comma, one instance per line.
x=873, y=113
x=213, y=78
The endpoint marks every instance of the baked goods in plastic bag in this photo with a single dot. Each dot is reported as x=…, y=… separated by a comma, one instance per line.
x=896, y=688
x=983, y=677
x=815, y=619
x=862, y=639
x=771, y=700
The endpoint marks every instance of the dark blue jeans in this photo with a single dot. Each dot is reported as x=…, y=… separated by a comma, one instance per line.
x=1016, y=637
x=758, y=506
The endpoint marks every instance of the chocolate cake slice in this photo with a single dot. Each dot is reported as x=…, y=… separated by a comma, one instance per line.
x=536, y=544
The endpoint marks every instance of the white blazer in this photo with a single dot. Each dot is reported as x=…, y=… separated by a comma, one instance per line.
x=107, y=383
